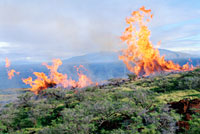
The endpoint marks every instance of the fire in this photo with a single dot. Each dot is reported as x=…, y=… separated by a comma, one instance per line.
x=7, y=63
x=141, y=57
x=56, y=79
x=12, y=71
x=83, y=80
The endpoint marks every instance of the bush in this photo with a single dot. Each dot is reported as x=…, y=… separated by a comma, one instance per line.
x=132, y=76
x=112, y=109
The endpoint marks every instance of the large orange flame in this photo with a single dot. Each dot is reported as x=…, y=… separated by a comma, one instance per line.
x=141, y=57
x=56, y=79
x=12, y=71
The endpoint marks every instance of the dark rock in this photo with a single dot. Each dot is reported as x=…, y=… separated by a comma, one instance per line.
x=185, y=107
x=182, y=126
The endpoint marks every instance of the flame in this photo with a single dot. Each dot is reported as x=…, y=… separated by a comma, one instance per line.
x=141, y=57
x=10, y=72
x=83, y=80
x=40, y=83
x=7, y=63
x=56, y=79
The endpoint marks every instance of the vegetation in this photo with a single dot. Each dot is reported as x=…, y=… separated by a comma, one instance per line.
x=135, y=106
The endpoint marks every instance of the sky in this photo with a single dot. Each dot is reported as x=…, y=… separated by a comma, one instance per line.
x=40, y=30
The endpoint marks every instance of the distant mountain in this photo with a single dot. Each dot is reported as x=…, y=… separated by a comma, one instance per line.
x=100, y=66
x=98, y=57
x=106, y=57
x=176, y=55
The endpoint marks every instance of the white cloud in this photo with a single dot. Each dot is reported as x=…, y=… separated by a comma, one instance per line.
x=44, y=30
x=185, y=48
x=4, y=44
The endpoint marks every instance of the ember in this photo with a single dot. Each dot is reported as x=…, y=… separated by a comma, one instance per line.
x=141, y=57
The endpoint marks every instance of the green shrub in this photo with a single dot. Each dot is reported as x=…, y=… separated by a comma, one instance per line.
x=126, y=109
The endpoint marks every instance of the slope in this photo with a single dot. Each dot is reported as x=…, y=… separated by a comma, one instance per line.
x=120, y=106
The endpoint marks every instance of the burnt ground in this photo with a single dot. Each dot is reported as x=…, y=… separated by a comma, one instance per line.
x=186, y=108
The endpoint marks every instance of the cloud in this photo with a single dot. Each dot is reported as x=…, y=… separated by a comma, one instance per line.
x=4, y=44
x=42, y=30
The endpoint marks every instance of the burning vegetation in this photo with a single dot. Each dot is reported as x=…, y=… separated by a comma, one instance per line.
x=11, y=72
x=56, y=79
x=143, y=106
x=141, y=57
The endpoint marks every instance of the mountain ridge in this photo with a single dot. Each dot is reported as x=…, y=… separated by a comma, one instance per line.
x=107, y=56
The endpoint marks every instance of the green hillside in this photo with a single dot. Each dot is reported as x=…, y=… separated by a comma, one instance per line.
x=133, y=106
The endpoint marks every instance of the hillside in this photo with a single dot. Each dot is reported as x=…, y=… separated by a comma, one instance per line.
x=122, y=106
x=101, y=66
x=104, y=57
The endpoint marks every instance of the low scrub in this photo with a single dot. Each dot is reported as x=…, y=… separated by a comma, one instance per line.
x=131, y=107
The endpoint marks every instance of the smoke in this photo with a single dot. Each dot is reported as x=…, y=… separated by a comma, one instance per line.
x=42, y=30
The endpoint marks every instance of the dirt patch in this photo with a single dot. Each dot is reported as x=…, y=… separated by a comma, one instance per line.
x=186, y=108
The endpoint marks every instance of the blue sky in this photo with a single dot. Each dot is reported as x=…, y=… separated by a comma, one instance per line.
x=40, y=30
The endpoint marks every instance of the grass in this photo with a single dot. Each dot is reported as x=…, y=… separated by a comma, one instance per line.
x=137, y=106
x=178, y=95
